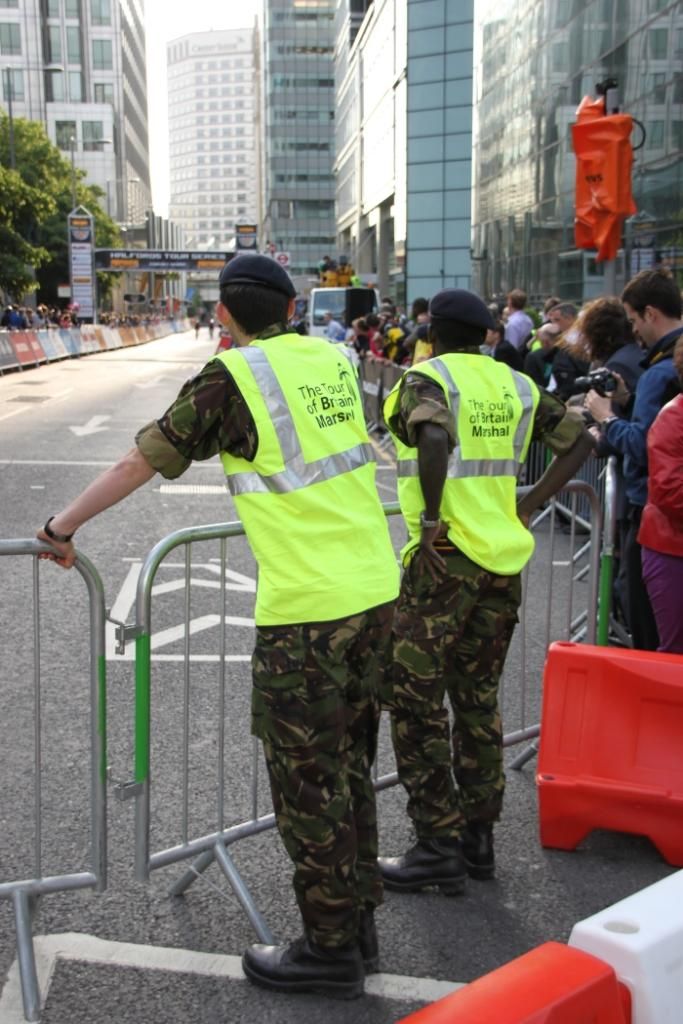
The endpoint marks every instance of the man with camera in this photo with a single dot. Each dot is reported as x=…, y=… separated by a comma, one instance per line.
x=652, y=301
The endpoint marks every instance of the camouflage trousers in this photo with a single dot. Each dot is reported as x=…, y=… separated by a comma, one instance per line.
x=315, y=706
x=450, y=638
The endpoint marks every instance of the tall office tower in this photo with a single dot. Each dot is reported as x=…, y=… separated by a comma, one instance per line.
x=537, y=59
x=404, y=141
x=298, y=138
x=213, y=135
x=78, y=66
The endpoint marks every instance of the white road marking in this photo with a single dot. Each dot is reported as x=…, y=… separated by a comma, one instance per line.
x=73, y=946
x=15, y=412
x=93, y=426
x=122, y=610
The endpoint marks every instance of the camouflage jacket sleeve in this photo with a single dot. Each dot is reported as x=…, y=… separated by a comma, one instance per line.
x=555, y=425
x=208, y=416
x=421, y=400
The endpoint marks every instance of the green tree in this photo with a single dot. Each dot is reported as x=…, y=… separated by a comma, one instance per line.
x=35, y=200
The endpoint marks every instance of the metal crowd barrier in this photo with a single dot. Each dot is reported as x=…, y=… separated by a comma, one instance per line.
x=377, y=378
x=567, y=562
x=25, y=891
x=579, y=562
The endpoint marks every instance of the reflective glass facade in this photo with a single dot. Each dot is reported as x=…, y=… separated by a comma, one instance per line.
x=535, y=60
x=298, y=143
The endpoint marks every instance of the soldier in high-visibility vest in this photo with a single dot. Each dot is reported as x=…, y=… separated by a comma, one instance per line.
x=285, y=414
x=462, y=424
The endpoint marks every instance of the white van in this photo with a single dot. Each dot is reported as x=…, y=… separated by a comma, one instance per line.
x=345, y=305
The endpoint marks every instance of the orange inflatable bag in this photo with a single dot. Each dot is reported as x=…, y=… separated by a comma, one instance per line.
x=604, y=158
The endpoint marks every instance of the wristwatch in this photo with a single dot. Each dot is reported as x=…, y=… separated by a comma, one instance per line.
x=428, y=524
x=61, y=538
x=606, y=423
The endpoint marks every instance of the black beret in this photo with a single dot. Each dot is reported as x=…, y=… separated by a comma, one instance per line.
x=250, y=268
x=458, y=304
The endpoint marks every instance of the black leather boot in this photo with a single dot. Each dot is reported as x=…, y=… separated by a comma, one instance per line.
x=477, y=845
x=303, y=966
x=430, y=862
x=367, y=940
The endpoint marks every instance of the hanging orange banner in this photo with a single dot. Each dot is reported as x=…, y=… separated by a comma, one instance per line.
x=604, y=159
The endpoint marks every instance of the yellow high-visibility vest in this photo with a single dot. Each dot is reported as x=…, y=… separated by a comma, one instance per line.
x=308, y=501
x=493, y=408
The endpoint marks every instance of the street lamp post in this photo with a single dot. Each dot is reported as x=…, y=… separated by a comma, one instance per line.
x=72, y=147
x=10, y=89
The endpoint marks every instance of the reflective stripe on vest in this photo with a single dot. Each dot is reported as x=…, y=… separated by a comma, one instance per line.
x=458, y=468
x=298, y=473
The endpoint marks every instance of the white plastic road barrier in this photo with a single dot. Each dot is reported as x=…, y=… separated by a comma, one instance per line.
x=641, y=937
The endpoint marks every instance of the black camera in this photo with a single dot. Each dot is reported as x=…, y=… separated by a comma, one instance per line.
x=600, y=380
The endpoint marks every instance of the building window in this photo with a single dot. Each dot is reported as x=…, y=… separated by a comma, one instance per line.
x=15, y=83
x=9, y=3
x=93, y=132
x=658, y=39
x=54, y=86
x=655, y=134
x=72, y=8
x=10, y=40
x=53, y=9
x=100, y=11
x=73, y=45
x=104, y=92
x=102, y=59
x=54, y=44
x=65, y=132
x=75, y=87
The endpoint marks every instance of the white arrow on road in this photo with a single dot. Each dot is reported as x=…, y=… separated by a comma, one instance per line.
x=150, y=383
x=93, y=426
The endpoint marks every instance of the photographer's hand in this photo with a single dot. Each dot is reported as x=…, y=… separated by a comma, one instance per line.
x=621, y=393
x=599, y=408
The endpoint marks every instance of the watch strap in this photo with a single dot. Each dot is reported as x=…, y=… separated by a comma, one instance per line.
x=61, y=538
x=429, y=524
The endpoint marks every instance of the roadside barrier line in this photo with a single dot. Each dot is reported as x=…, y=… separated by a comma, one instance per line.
x=15, y=412
x=76, y=947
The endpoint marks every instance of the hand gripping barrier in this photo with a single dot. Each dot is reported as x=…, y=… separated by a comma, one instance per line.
x=611, y=742
x=24, y=892
x=214, y=844
x=552, y=984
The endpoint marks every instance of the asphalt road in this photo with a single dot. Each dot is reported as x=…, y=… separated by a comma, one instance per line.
x=60, y=425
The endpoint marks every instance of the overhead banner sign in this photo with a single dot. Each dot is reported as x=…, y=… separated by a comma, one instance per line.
x=81, y=228
x=159, y=259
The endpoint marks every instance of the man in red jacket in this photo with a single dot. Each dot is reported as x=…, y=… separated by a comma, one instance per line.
x=661, y=526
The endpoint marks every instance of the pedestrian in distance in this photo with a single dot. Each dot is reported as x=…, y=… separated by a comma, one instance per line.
x=285, y=415
x=462, y=424
x=519, y=324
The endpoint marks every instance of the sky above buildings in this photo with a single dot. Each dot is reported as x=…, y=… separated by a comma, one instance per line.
x=166, y=21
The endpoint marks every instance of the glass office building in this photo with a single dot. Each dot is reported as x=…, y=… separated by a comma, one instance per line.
x=298, y=137
x=404, y=143
x=535, y=60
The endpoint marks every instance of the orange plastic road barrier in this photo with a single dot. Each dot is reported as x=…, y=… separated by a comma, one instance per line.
x=610, y=746
x=604, y=159
x=549, y=985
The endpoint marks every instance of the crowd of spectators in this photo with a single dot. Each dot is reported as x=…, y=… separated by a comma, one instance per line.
x=42, y=317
